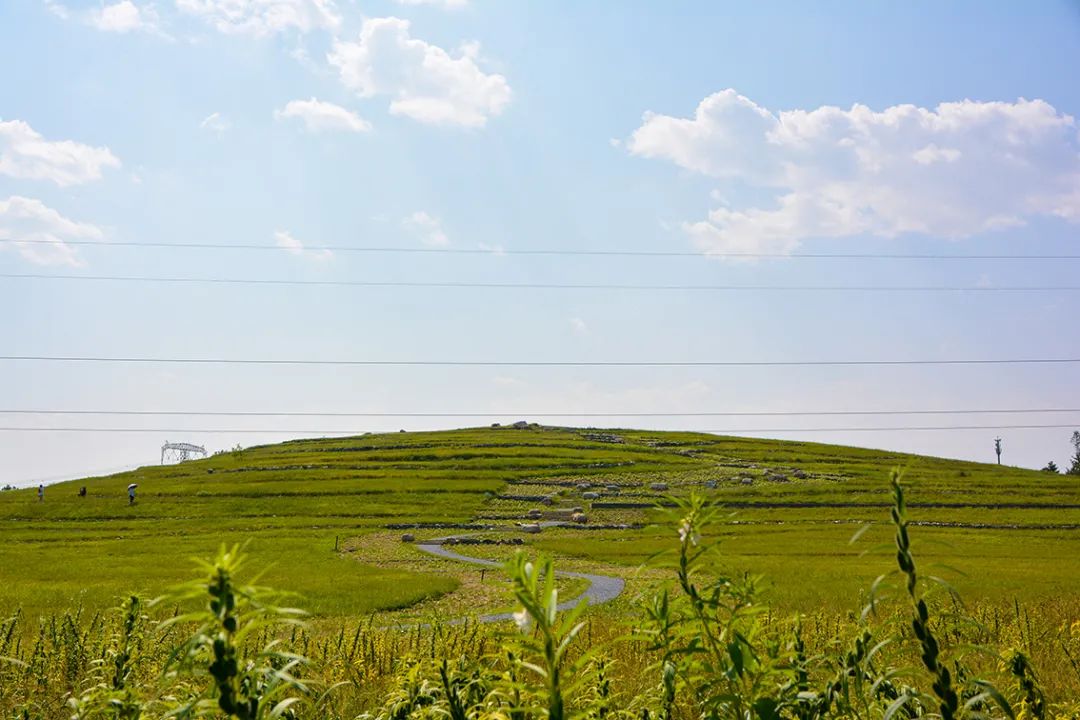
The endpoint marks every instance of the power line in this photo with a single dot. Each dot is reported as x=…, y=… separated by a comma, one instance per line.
x=540, y=286
x=770, y=413
x=729, y=431
x=533, y=363
x=551, y=252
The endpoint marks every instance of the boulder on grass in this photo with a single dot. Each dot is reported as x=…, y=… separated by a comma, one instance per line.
x=408, y=537
x=532, y=528
x=579, y=518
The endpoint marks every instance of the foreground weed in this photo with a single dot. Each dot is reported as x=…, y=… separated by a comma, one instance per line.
x=247, y=686
x=550, y=634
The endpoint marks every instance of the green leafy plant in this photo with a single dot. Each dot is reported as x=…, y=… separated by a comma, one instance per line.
x=248, y=685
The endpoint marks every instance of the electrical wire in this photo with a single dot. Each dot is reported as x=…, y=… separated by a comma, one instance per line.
x=541, y=251
x=769, y=413
x=540, y=286
x=534, y=363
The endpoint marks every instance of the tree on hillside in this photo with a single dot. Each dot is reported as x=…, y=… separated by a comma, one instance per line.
x=1051, y=467
x=997, y=448
x=1075, y=469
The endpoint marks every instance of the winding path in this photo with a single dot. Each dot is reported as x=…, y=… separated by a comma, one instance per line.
x=601, y=589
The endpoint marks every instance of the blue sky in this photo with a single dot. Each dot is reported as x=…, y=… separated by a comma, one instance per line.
x=782, y=128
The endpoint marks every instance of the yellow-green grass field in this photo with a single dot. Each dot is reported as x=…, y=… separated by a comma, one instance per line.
x=314, y=514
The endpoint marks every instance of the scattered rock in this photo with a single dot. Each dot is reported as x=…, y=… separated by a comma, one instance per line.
x=747, y=481
x=495, y=425
x=408, y=538
x=521, y=425
x=711, y=484
x=801, y=474
x=590, y=496
x=776, y=477
x=579, y=518
x=548, y=501
x=535, y=514
x=532, y=528
x=613, y=488
x=658, y=486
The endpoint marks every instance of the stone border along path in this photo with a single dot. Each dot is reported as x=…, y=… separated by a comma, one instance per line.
x=602, y=588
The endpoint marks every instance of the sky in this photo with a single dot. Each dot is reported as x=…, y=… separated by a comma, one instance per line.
x=704, y=129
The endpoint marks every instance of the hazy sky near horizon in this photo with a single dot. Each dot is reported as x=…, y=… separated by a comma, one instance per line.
x=783, y=128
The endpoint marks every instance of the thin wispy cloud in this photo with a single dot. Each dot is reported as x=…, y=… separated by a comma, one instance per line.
x=37, y=232
x=284, y=239
x=427, y=228
x=125, y=17
x=318, y=116
x=448, y=4
x=215, y=123
x=264, y=17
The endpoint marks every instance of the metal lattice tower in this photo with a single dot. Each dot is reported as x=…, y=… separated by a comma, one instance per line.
x=179, y=452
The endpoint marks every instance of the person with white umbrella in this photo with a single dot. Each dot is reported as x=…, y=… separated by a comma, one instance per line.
x=131, y=493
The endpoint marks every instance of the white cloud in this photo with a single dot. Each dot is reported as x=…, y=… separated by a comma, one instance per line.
x=427, y=228
x=494, y=249
x=123, y=17
x=215, y=123
x=57, y=9
x=38, y=232
x=579, y=327
x=322, y=116
x=295, y=247
x=264, y=17
x=449, y=4
x=424, y=82
x=953, y=171
x=25, y=154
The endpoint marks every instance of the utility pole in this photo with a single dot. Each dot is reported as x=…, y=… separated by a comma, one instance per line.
x=997, y=448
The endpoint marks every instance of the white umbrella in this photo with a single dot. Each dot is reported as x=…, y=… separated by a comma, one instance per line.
x=133, y=485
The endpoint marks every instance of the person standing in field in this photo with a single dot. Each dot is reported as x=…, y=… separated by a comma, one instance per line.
x=41, y=492
x=131, y=495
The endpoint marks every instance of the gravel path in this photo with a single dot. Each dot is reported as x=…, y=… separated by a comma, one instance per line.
x=602, y=588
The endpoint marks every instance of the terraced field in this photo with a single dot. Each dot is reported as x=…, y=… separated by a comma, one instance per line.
x=326, y=518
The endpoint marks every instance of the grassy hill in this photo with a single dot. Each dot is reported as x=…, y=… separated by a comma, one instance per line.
x=315, y=512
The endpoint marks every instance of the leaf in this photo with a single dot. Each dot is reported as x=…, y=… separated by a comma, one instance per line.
x=896, y=706
x=859, y=533
x=997, y=697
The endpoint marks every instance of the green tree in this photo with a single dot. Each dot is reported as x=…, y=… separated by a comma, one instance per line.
x=1075, y=469
x=1051, y=467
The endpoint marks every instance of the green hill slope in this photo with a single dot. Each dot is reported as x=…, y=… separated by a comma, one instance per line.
x=316, y=511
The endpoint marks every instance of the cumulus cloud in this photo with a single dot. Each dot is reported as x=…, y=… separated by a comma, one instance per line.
x=264, y=17
x=25, y=154
x=215, y=123
x=124, y=17
x=424, y=81
x=320, y=116
x=38, y=232
x=295, y=247
x=952, y=171
x=427, y=228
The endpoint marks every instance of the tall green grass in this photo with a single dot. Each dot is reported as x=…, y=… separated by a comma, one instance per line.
x=704, y=645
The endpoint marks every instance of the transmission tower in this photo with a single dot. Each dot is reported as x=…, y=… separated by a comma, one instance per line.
x=179, y=452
